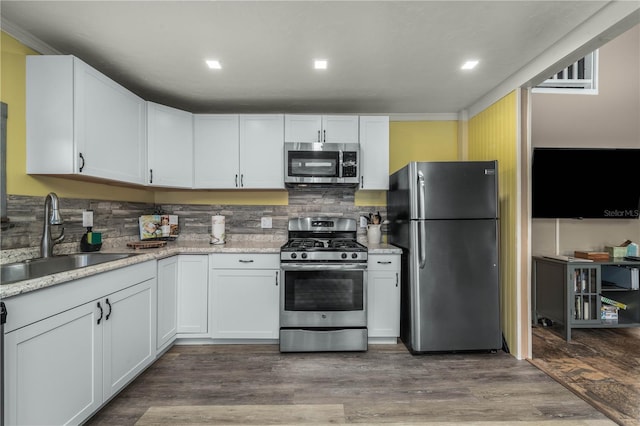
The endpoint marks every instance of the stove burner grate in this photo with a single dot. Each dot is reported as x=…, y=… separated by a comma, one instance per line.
x=305, y=243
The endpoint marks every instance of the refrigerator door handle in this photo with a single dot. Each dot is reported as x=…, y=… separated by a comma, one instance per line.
x=422, y=243
x=421, y=195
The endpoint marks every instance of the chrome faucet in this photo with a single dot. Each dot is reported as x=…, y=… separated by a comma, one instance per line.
x=51, y=217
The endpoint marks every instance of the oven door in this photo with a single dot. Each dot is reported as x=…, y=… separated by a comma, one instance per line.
x=323, y=295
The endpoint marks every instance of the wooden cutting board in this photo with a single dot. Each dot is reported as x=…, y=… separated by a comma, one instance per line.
x=146, y=244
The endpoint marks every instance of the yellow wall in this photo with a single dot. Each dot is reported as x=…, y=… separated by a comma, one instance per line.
x=422, y=141
x=493, y=136
x=18, y=182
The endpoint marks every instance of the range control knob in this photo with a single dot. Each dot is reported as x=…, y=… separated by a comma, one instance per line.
x=343, y=255
x=304, y=255
x=293, y=255
x=354, y=255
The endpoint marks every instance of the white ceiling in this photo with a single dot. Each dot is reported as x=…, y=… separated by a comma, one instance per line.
x=387, y=57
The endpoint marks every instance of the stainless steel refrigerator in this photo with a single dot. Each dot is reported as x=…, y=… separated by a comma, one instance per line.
x=444, y=216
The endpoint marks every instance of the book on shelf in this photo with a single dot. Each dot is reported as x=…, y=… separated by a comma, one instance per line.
x=612, y=302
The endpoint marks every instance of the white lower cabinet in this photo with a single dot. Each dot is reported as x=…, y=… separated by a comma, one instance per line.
x=61, y=367
x=193, y=295
x=383, y=300
x=245, y=296
x=54, y=369
x=129, y=342
x=167, y=302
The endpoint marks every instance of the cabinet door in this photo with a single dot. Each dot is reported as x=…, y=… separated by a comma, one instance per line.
x=49, y=115
x=262, y=151
x=302, y=128
x=79, y=121
x=167, y=318
x=585, y=286
x=53, y=371
x=110, y=127
x=383, y=285
x=192, y=293
x=245, y=304
x=340, y=129
x=374, y=152
x=129, y=334
x=169, y=146
x=217, y=151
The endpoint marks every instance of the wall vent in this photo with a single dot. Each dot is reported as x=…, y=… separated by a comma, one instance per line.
x=581, y=77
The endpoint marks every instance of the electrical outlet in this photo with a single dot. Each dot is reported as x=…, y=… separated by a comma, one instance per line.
x=87, y=218
x=363, y=222
x=266, y=222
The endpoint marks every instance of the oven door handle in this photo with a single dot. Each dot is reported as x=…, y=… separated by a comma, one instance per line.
x=323, y=266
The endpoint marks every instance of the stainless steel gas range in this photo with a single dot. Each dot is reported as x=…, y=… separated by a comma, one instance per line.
x=323, y=296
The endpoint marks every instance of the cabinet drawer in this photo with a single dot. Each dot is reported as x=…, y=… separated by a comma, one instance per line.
x=383, y=262
x=245, y=261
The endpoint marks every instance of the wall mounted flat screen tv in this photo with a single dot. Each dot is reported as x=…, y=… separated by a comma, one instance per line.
x=585, y=183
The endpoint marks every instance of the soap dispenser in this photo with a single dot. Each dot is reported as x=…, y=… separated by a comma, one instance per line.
x=90, y=241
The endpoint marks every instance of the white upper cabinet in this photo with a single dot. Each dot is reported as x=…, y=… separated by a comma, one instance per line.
x=169, y=147
x=80, y=122
x=239, y=151
x=216, y=150
x=262, y=151
x=374, y=152
x=321, y=128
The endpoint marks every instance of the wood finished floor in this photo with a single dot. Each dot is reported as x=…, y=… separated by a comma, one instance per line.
x=256, y=384
x=600, y=365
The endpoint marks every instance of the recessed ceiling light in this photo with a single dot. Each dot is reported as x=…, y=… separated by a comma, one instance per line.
x=320, y=64
x=469, y=65
x=214, y=64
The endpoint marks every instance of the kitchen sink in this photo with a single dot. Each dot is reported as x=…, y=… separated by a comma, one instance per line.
x=40, y=267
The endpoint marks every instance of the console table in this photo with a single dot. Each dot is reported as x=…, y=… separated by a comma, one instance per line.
x=569, y=292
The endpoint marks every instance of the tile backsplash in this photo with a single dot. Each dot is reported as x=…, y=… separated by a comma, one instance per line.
x=118, y=220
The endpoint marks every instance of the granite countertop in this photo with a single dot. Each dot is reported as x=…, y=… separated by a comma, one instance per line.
x=172, y=248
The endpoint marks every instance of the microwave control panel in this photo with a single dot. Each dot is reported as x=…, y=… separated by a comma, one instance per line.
x=349, y=164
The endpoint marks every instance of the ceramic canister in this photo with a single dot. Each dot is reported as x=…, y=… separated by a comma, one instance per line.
x=374, y=235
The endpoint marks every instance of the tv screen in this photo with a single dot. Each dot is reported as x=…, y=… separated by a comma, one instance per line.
x=585, y=183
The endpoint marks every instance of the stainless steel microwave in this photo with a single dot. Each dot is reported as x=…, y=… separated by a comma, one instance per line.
x=321, y=163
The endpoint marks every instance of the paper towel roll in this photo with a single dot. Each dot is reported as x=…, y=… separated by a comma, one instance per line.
x=217, y=230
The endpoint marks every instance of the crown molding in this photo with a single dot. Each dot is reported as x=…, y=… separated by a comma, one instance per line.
x=424, y=117
x=27, y=39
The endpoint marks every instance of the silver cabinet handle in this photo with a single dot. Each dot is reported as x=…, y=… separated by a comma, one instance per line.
x=276, y=278
x=242, y=180
x=319, y=136
x=236, y=180
x=82, y=166
x=386, y=262
x=245, y=261
x=396, y=279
